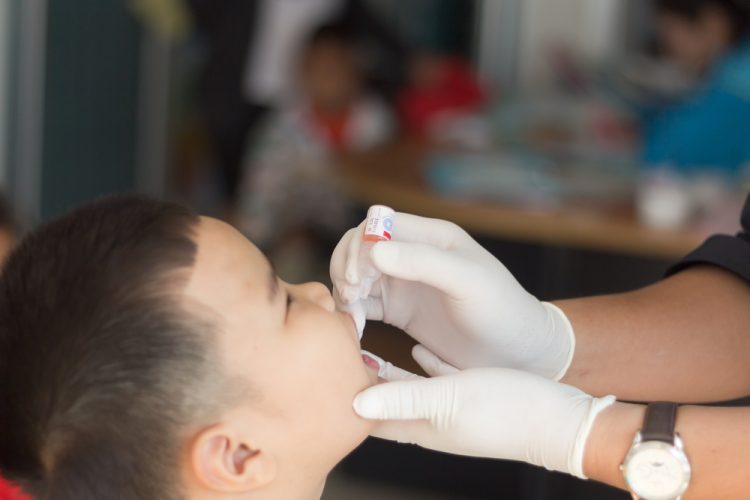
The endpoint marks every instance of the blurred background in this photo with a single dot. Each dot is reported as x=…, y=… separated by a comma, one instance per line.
x=586, y=143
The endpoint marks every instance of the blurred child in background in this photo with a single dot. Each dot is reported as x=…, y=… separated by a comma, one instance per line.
x=290, y=184
x=440, y=86
x=695, y=148
x=708, y=129
x=8, y=232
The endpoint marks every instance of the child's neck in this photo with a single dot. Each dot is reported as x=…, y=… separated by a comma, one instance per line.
x=292, y=490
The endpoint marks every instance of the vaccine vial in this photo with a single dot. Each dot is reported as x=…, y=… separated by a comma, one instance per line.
x=378, y=227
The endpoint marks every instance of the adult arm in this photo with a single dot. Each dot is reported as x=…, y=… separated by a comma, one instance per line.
x=715, y=442
x=686, y=338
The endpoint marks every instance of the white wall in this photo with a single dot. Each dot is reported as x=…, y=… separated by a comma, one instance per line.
x=497, y=42
x=588, y=27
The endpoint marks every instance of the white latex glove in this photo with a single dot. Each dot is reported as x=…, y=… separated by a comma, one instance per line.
x=453, y=296
x=484, y=412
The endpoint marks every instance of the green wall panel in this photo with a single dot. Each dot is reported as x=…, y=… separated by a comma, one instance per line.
x=90, y=102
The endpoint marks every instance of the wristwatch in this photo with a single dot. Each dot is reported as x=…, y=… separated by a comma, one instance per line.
x=656, y=467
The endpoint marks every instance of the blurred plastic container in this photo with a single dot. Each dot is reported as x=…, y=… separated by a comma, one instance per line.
x=662, y=200
x=528, y=180
x=667, y=198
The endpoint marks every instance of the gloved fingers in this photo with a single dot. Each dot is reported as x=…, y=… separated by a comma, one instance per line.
x=407, y=399
x=419, y=432
x=353, y=293
x=340, y=258
x=431, y=363
x=448, y=272
x=352, y=254
x=373, y=307
x=440, y=233
x=337, y=266
x=407, y=228
x=388, y=372
x=391, y=373
x=368, y=308
x=356, y=310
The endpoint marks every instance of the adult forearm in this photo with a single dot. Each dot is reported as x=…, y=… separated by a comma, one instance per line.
x=686, y=338
x=715, y=441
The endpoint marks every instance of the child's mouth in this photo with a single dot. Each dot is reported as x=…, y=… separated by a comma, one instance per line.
x=370, y=362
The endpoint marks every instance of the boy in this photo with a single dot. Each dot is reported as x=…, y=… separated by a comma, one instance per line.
x=147, y=353
x=289, y=180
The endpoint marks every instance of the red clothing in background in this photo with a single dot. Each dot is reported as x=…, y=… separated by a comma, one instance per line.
x=9, y=492
x=450, y=86
x=333, y=128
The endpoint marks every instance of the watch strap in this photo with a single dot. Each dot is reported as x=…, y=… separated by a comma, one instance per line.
x=659, y=422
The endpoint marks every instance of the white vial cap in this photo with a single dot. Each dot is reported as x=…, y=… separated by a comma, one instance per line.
x=379, y=222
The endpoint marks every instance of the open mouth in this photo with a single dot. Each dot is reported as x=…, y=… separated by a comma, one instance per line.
x=370, y=362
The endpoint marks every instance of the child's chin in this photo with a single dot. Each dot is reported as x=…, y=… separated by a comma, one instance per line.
x=372, y=377
x=366, y=428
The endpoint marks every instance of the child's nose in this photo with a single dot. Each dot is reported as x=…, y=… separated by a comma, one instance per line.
x=319, y=293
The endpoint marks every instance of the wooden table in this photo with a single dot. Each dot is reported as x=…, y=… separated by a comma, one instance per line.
x=392, y=175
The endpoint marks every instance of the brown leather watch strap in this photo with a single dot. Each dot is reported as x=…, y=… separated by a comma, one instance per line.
x=659, y=422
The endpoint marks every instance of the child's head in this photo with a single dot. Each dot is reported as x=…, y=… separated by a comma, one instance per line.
x=329, y=74
x=696, y=32
x=149, y=353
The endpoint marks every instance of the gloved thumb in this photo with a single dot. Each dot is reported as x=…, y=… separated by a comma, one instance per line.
x=388, y=371
x=430, y=363
x=424, y=263
x=419, y=432
x=420, y=398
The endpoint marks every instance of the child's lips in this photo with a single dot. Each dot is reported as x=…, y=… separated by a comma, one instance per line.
x=370, y=362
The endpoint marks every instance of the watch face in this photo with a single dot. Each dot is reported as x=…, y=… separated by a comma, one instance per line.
x=657, y=471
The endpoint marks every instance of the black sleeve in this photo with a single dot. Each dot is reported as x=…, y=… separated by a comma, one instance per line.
x=728, y=252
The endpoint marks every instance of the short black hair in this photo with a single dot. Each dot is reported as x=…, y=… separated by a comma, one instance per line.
x=737, y=11
x=102, y=363
x=334, y=32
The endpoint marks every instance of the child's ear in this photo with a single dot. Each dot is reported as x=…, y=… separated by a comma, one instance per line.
x=223, y=461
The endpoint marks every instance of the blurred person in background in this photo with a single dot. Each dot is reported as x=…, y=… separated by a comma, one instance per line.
x=252, y=46
x=8, y=229
x=289, y=184
x=707, y=129
x=439, y=87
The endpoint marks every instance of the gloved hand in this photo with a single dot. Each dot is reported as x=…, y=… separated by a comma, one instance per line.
x=484, y=412
x=454, y=297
